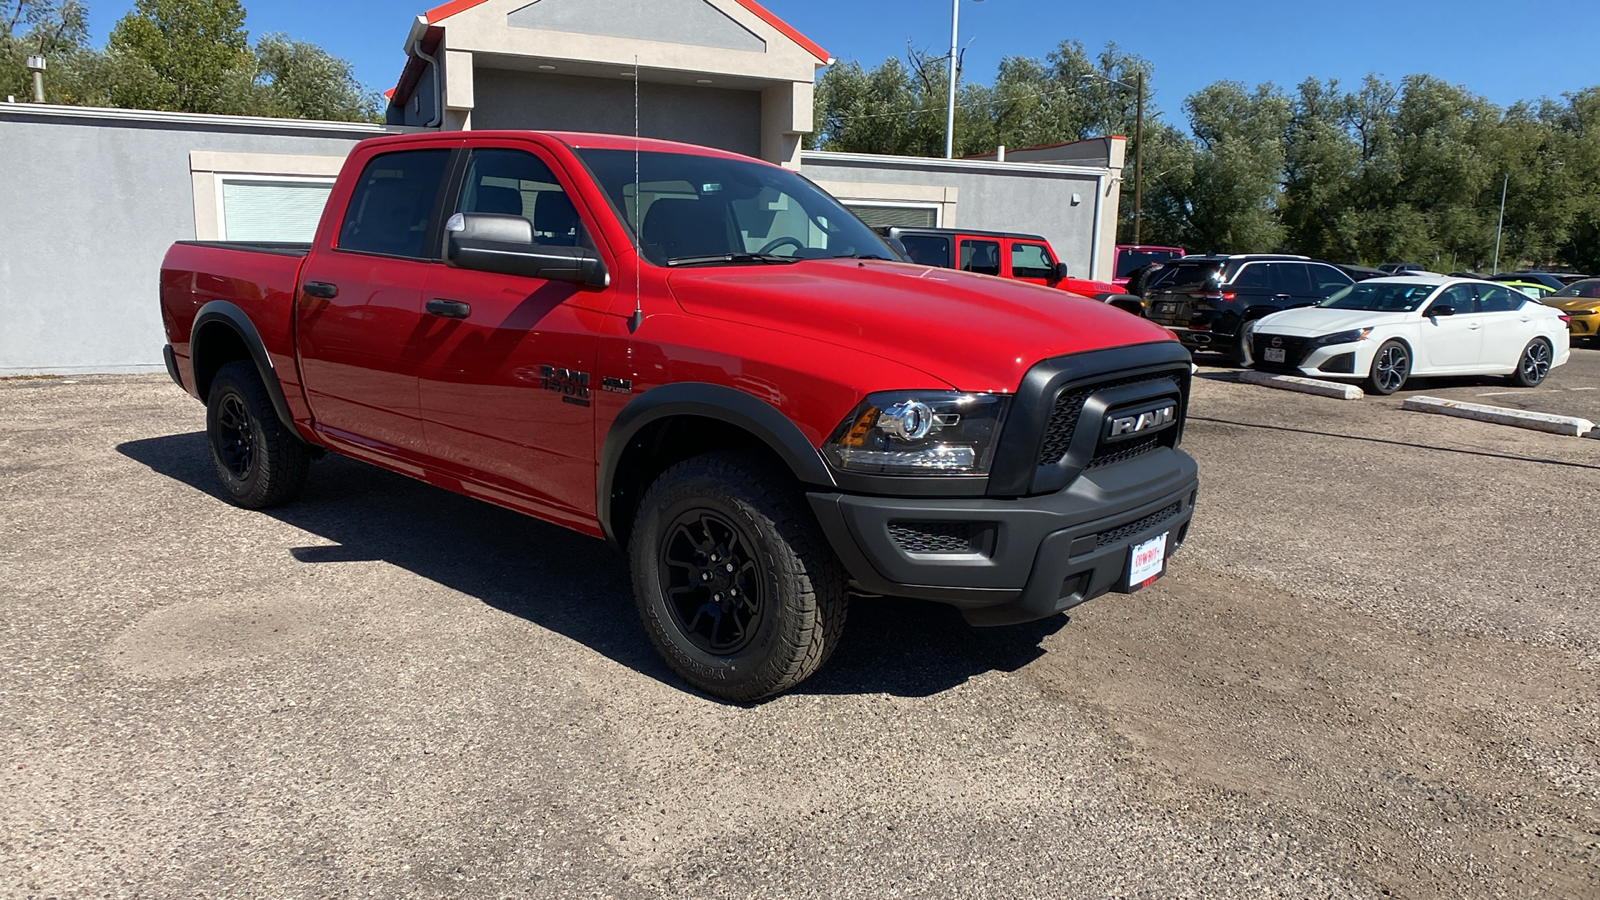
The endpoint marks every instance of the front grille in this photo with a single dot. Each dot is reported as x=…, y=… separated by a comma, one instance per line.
x=932, y=537
x=1117, y=535
x=1294, y=351
x=1069, y=406
x=1123, y=452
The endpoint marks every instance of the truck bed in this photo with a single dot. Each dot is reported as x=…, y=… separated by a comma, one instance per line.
x=280, y=248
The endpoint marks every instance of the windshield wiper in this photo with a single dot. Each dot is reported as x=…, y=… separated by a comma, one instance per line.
x=725, y=258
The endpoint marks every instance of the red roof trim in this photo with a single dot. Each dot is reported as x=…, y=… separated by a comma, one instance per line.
x=440, y=13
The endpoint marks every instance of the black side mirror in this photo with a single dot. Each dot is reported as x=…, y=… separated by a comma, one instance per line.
x=1059, y=272
x=1441, y=309
x=898, y=246
x=490, y=242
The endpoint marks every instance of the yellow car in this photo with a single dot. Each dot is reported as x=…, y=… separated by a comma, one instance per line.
x=1581, y=301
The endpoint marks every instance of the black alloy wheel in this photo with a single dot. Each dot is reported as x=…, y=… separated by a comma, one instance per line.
x=259, y=461
x=1534, y=366
x=714, y=581
x=737, y=587
x=1391, y=367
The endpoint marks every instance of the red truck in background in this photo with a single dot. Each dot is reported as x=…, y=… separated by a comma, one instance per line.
x=1013, y=255
x=707, y=360
x=1131, y=258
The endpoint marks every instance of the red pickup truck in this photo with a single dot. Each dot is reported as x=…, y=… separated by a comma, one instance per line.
x=707, y=360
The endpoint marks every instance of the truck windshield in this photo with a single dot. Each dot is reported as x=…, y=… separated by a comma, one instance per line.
x=685, y=209
x=1130, y=261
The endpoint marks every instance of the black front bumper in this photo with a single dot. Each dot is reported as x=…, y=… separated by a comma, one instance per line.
x=1023, y=558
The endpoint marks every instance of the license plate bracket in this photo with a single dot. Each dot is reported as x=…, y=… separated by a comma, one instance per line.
x=1147, y=561
x=1273, y=354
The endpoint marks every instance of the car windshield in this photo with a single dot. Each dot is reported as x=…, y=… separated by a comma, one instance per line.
x=1189, y=274
x=1372, y=297
x=1587, y=289
x=1130, y=261
x=686, y=209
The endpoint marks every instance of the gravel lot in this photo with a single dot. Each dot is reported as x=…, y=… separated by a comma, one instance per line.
x=1372, y=672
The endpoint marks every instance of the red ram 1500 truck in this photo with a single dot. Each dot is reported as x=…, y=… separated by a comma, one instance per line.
x=707, y=360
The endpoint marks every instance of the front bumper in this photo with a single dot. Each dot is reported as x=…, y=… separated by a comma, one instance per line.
x=1014, y=560
x=1583, y=326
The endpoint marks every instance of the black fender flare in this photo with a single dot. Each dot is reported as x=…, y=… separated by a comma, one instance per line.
x=710, y=401
x=233, y=317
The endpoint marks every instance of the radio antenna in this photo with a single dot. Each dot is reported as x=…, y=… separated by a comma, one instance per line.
x=637, y=318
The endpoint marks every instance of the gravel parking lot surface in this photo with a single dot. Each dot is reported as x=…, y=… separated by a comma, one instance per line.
x=1372, y=672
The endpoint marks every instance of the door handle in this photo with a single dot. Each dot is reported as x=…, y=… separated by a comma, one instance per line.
x=320, y=289
x=449, y=309
x=1474, y=325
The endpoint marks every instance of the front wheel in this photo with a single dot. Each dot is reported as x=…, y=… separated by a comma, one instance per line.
x=1534, y=365
x=258, y=460
x=1390, y=368
x=736, y=585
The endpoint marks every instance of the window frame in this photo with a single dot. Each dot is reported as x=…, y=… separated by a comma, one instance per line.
x=1011, y=259
x=457, y=188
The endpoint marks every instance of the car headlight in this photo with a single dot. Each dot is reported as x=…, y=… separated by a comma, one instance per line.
x=919, y=433
x=1343, y=337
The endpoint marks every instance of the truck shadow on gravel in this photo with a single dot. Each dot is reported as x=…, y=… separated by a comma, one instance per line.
x=578, y=586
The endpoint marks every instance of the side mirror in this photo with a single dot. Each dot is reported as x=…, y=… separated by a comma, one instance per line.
x=1058, y=273
x=898, y=247
x=490, y=242
x=1441, y=309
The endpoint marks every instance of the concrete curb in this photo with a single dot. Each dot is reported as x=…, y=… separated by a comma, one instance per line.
x=1304, y=385
x=1500, y=415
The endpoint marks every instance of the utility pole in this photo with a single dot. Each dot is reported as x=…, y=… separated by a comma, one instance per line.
x=950, y=115
x=1138, y=155
x=36, y=66
x=1500, y=224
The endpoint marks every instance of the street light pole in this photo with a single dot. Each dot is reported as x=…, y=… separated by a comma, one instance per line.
x=1500, y=224
x=950, y=114
x=1138, y=156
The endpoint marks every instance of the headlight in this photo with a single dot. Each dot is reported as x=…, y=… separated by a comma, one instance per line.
x=919, y=433
x=1343, y=337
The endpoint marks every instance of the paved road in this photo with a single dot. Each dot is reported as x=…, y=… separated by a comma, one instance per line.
x=1373, y=671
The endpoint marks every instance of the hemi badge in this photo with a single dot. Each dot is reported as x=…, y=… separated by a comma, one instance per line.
x=1133, y=424
x=616, y=385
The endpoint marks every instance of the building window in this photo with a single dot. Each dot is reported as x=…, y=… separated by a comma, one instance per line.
x=906, y=214
x=254, y=208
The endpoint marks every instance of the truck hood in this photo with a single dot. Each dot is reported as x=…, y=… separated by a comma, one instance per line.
x=975, y=332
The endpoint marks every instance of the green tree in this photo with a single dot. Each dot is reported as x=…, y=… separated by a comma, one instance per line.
x=294, y=79
x=1233, y=205
x=197, y=50
x=55, y=29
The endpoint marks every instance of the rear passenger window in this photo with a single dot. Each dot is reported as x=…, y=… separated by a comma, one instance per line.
x=982, y=257
x=1328, y=281
x=1031, y=261
x=928, y=249
x=1258, y=276
x=1294, y=278
x=391, y=208
x=1496, y=299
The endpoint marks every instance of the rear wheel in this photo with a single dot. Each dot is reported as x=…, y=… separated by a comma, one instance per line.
x=258, y=460
x=1534, y=365
x=1391, y=367
x=736, y=585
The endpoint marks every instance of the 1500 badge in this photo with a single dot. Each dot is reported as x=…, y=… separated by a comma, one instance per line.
x=572, y=386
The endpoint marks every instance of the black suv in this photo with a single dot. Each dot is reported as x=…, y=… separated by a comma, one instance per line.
x=1206, y=300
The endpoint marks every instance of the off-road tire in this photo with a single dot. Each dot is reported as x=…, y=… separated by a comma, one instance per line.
x=259, y=462
x=1379, y=379
x=1533, y=366
x=800, y=612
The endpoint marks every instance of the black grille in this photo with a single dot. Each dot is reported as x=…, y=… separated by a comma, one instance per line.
x=1117, y=535
x=1069, y=405
x=1294, y=351
x=932, y=537
x=1123, y=452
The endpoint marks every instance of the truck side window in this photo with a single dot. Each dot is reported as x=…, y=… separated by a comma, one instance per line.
x=928, y=249
x=392, y=205
x=1031, y=261
x=982, y=257
x=517, y=183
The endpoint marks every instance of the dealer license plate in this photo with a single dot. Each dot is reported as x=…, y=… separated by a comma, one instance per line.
x=1273, y=354
x=1148, y=559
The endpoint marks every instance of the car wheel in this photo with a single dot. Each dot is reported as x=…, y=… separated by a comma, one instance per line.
x=1534, y=365
x=259, y=461
x=1391, y=367
x=737, y=587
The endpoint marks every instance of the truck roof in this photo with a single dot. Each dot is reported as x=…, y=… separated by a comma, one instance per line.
x=579, y=139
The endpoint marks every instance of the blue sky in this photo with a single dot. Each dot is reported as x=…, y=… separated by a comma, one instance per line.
x=1506, y=52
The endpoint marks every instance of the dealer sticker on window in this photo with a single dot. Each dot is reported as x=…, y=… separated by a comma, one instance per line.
x=1147, y=562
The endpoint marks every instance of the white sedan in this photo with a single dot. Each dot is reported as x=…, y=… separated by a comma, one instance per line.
x=1385, y=330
